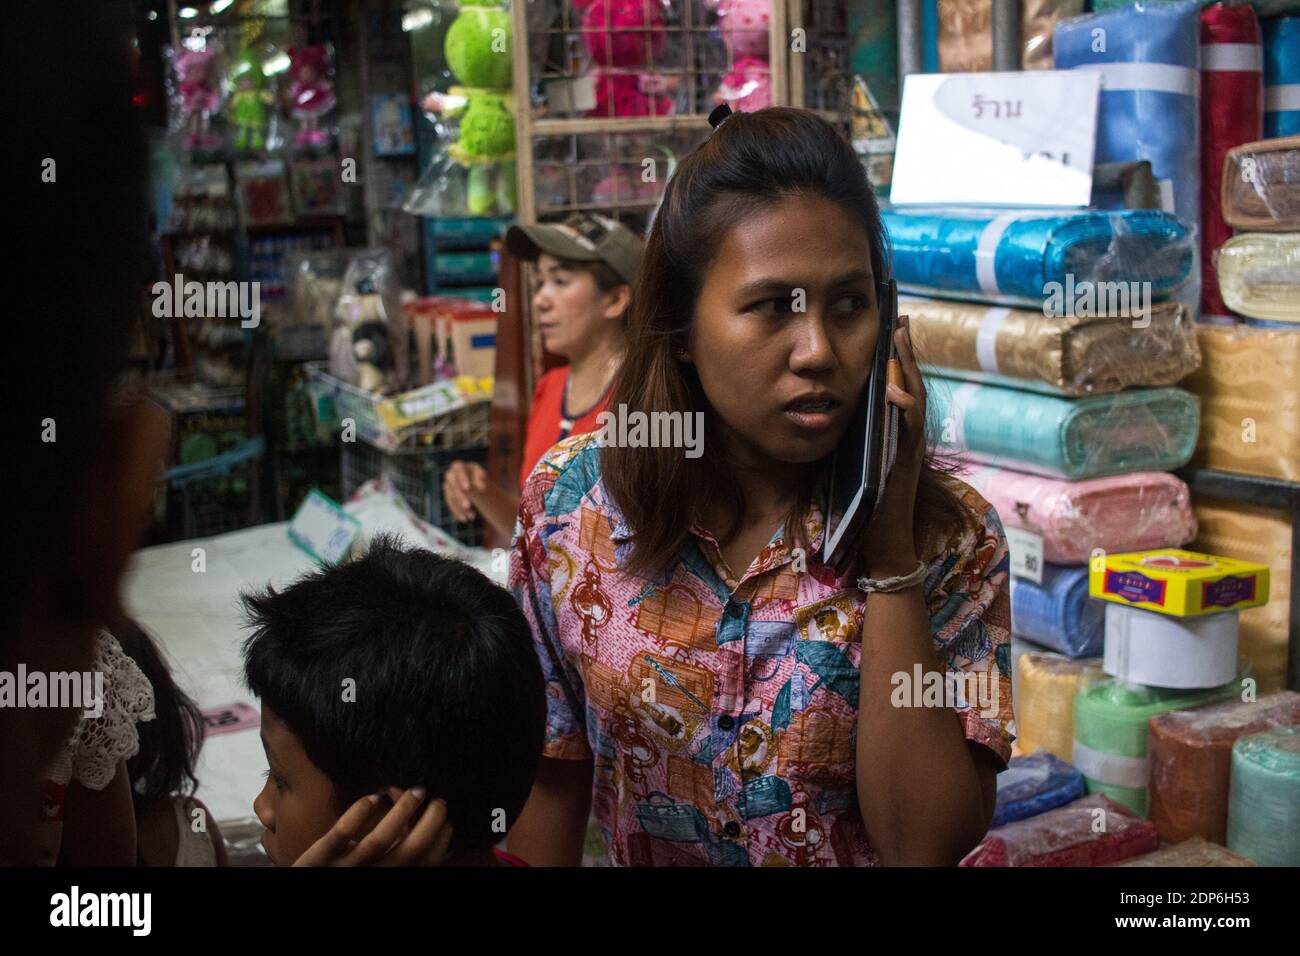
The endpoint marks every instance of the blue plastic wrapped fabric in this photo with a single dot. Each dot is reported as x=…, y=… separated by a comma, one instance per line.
x=1034, y=784
x=1282, y=76
x=1144, y=429
x=1058, y=614
x=1150, y=108
x=1012, y=258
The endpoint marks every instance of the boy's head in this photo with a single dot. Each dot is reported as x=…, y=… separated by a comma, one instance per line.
x=399, y=669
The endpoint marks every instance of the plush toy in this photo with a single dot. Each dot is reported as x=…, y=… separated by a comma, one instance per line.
x=362, y=314
x=622, y=32
x=477, y=45
x=474, y=173
x=627, y=95
x=248, y=103
x=747, y=87
x=200, y=97
x=311, y=93
x=744, y=27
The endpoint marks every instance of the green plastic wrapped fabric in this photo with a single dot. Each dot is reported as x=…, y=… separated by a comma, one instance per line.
x=1110, y=732
x=1264, y=797
x=1145, y=429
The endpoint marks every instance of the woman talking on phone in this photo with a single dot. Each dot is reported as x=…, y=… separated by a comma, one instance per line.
x=586, y=266
x=717, y=694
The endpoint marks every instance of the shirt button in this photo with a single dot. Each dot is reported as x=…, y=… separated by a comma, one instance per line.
x=733, y=609
x=732, y=829
x=725, y=722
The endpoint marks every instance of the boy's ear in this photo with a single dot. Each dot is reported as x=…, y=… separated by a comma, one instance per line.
x=110, y=520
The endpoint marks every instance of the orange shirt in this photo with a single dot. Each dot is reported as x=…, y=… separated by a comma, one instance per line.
x=546, y=418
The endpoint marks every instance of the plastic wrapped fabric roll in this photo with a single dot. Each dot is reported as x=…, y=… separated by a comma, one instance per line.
x=1110, y=733
x=1261, y=186
x=1259, y=275
x=1190, y=759
x=1262, y=535
x=1057, y=614
x=1024, y=258
x=1150, y=429
x=1265, y=8
x=1239, y=432
x=966, y=33
x=1143, y=647
x=1282, y=76
x=1232, y=90
x=1035, y=784
x=1067, y=836
x=1132, y=512
x=1149, y=107
x=1192, y=852
x=1057, y=354
x=1264, y=797
x=1045, y=701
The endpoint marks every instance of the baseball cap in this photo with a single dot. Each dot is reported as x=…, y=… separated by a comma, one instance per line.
x=583, y=237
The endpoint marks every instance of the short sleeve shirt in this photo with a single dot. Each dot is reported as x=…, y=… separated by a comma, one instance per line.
x=713, y=711
x=546, y=422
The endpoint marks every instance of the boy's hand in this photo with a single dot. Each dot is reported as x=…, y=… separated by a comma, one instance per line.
x=366, y=836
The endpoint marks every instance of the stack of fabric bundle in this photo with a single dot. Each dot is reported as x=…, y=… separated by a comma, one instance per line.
x=1170, y=644
x=1062, y=412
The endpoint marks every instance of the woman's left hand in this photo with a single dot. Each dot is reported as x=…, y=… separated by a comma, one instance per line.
x=891, y=543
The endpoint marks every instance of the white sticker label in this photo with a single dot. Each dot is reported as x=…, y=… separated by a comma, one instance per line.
x=323, y=529
x=1026, y=554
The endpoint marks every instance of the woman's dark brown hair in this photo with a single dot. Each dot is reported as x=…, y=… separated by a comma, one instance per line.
x=752, y=159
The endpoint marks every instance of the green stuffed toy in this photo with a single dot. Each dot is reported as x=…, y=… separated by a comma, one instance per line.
x=249, y=103
x=478, y=51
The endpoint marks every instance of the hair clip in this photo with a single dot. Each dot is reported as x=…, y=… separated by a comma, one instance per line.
x=719, y=115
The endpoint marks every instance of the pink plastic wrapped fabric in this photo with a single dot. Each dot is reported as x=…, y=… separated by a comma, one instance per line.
x=1193, y=852
x=1092, y=831
x=1133, y=512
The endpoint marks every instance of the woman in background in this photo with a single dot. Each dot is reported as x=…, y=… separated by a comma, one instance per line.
x=586, y=267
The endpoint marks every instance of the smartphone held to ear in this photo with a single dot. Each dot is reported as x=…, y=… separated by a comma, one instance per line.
x=862, y=462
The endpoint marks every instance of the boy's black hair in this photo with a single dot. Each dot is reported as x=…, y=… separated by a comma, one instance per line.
x=448, y=689
x=170, y=743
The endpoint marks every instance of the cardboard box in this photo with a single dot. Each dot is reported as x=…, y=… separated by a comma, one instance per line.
x=1179, y=583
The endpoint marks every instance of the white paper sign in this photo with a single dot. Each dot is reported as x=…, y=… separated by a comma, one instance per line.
x=323, y=529
x=997, y=139
x=1026, y=554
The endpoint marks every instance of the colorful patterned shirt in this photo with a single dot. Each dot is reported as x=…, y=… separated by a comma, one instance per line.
x=714, y=709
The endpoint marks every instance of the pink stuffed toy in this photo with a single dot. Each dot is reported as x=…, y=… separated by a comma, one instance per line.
x=200, y=95
x=747, y=87
x=612, y=31
x=626, y=95
x=744, y=27
x=311, y=94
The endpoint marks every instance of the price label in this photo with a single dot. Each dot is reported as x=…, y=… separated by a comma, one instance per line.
x=1026, y=554
x=323, y=529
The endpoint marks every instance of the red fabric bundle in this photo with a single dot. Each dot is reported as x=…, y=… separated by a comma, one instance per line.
x=1232, y=113
x=1091, y=831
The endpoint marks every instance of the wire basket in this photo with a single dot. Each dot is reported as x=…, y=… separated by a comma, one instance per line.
x=449, y=414
x=416, y=473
